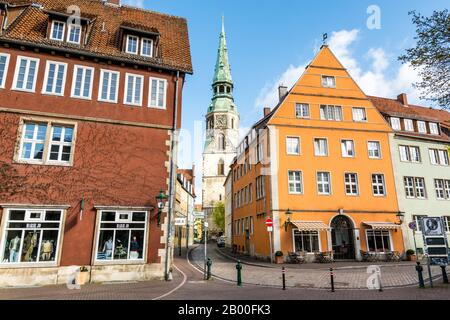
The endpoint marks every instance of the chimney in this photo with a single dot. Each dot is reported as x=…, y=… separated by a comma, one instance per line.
x=266, y=111
x=403, y=99
x=282, y=92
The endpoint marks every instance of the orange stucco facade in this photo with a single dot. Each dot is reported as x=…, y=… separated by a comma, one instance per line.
x=344, y=219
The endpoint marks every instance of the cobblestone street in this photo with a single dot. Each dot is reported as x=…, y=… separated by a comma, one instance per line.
x=347, y=276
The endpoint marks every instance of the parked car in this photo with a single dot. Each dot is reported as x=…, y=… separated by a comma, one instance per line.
x=221, y=242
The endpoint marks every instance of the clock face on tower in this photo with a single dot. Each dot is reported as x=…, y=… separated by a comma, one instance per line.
x=221, y=122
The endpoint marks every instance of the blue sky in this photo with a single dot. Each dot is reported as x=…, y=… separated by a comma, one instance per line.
x=271, y=41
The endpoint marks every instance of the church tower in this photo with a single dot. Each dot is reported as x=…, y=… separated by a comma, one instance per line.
x=222, y=132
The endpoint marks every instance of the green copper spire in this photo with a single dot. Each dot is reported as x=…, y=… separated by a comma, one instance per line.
x=222, y=85
x=222, y=71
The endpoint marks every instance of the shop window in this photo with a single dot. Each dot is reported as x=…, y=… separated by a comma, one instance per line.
x=31, y=236
x=307, y=241
x=378, y=241
x=121, y=236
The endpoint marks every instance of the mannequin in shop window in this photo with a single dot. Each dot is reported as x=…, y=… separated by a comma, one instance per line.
x=107, y=248
x=14, y=246
x=29, y=244
x=134, y=249
x=46, y=250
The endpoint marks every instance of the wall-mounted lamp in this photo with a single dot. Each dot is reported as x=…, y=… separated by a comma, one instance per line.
x=288, y=214
x=161, y=201
x=401, y=217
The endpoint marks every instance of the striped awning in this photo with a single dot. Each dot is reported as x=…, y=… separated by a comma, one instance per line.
x=382, y=225
x=310, y=225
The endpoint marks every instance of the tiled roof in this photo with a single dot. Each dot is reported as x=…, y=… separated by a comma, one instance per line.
x=396, y=108
x=31, y=25
x=393, y=107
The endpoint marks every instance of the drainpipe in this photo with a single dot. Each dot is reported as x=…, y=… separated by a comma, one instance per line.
x=172, y=176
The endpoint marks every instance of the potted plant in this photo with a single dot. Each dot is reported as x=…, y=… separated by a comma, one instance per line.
x=82, y=276
x=279, y=257
x=411, y=255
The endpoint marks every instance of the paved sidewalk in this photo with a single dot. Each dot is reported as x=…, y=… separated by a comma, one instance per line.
x=346, y=277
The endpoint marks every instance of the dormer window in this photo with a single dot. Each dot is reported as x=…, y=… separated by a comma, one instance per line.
x=434, y=128
x=147, y=47
x=74, y=34
x=132, y=44
x=421, y=126
x=409, y=126
x=58, y=29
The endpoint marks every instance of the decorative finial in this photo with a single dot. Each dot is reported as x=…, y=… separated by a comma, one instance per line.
x=223, y=24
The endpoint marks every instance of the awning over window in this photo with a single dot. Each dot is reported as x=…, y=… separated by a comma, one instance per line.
x=310, y=225
x=382, y=225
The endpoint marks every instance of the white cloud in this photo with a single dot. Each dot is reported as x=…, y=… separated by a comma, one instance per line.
x=374, y=75
x=134, y=3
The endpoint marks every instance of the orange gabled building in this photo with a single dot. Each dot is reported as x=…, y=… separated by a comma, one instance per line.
x=324, y=158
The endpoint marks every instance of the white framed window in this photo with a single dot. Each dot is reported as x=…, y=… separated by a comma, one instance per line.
x=158, y=93
x=83, y=78
x=378, y=185
x=410, y=154
x=260, y=151
x=442, y=187
x=61, y=144
x=359, y=114
x=329, y=112
x=302, y=110
x=323, y=183
x=25, y=74
x=295, y=182
x=46, y=143
x=439, y=157
x=252, y=229
x=320, y=147
x=121, y=236
x=33, y=141
x=146, y=47
x=439, y=188
x=348, y=148
x=55, y=78
x=58, y=30
x=446, y=223
x=293, y=145
x=4, y=64
x=415, y=187
x=378, y=240
x=134, y=88
x=395, y=123
x=351, y=184
x=109, y=86
x=31, y=236
x=328, y=82
x=74, y=34
x=132, y=44
x=374, y=149
x=306, y=241
x=422, y=126
x=409, y=125
x=434, y=128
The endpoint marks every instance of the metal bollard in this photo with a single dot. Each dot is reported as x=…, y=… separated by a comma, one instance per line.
x=444, y=275
x=419, y=270
x=332, y=279
x=208, y=269
x=380, y=289
x=239, y=275
x=283, y=273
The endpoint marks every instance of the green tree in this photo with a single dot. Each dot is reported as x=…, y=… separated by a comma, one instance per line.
x=219, y=216
x=431, y=56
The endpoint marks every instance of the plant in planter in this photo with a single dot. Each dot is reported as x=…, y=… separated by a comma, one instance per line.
x=279, y=257
x=411, y=255
x=82, y=276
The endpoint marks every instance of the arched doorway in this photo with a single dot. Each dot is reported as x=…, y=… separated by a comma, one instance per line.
x=342, y=236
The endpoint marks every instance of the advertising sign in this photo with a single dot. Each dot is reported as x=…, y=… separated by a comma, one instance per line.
x=435, y=240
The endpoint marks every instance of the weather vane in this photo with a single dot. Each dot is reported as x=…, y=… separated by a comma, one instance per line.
x=324, y=38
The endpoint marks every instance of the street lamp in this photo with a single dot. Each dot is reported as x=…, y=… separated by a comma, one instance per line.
x=288, y=214
x=401, y=217
x=161, y=201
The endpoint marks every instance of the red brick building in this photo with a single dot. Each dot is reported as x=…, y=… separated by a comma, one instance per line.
x=89, y=95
